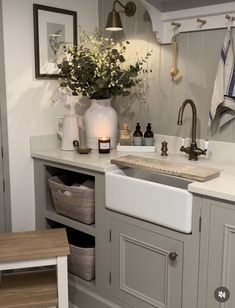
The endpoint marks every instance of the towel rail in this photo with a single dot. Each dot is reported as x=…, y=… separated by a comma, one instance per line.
x=214, y=15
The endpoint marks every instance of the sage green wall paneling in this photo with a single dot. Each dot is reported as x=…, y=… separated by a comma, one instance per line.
x=171, y=93
x=193, y=78
x=209, y=54
x=138, y=30
x=197, y=61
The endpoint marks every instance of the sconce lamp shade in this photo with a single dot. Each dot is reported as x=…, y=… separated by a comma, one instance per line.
x=114, y=21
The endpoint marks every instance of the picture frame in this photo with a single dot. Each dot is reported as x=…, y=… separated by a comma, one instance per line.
x=54, y=28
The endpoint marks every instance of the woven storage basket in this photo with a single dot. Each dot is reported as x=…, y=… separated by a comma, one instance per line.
x=73, y=200
x=81, y=262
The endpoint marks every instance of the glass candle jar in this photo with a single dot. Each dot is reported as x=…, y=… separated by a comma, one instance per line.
x=104, y=145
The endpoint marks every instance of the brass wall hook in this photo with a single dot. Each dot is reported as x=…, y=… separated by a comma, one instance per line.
x=201, y=21
x=176, y=24
x=229, y=18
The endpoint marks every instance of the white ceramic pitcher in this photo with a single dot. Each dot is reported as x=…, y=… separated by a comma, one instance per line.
x=67, y=131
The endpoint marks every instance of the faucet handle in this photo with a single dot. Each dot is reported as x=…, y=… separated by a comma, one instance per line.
x=182, y=142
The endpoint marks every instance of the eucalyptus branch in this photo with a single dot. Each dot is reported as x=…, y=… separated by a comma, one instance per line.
x=98, y=68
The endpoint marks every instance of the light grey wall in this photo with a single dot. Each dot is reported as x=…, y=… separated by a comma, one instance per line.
x=198, y=59
x=29, y=101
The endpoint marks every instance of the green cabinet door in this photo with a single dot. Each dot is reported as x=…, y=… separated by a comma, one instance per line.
x=217, y=260
x=143, y=274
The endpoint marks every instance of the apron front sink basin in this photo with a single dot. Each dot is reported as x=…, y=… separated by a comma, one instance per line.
x=150, y=196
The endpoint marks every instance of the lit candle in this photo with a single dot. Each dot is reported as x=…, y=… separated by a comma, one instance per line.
x=104, y=145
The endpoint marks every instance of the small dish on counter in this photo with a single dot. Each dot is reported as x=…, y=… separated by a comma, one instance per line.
x=80, y=150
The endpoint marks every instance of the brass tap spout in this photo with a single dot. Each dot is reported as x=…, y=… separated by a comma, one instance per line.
x=193, y=150
x=194, y=121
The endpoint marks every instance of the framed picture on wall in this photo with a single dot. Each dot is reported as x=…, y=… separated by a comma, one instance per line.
x=54, y=28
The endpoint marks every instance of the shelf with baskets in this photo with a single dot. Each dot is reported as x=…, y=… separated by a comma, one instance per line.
x=81, y=261
x=95, y=259
x=71, y=204
x=69, y=222
x=67, y=199
x=71, y=194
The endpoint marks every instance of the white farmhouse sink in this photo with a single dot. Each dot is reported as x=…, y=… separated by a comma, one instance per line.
x=149, y=196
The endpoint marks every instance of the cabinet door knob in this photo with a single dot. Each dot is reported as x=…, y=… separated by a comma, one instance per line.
x=173, y=255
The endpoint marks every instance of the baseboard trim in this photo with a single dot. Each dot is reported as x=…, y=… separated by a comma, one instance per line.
x=72, y=306
x=82, y=297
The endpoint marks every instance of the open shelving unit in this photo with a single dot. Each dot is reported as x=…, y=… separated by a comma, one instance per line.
x=49, y=218
x=68, y=222
x=95, y=285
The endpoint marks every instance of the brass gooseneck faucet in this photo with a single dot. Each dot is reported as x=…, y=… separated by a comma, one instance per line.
x=193, y=150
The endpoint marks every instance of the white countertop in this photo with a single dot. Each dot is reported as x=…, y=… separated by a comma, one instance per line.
x=222, y=187
x=92, y=161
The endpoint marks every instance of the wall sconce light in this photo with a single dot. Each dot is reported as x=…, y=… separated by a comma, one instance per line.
x=114, y=21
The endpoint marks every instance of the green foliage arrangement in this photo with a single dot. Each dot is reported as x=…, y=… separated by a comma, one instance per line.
x=98, y=68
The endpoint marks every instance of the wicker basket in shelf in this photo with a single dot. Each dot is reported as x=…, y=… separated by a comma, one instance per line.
x=81, y=262
x=75, y=200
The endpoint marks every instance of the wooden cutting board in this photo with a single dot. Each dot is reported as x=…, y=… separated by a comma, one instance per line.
x=192, y=172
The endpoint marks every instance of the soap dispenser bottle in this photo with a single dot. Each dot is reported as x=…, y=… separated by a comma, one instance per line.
x=138, y=136
x=148, y=136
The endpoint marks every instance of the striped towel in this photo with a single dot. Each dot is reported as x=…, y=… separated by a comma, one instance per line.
x=223, y=98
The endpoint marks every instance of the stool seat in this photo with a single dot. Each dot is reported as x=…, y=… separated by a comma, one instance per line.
x=32, y=245
x=34, y=249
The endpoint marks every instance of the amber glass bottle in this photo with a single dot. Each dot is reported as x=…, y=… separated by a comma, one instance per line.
x=138, y=136
x=149, y=136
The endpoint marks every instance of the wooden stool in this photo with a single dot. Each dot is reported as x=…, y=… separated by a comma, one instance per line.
x=35, y=288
